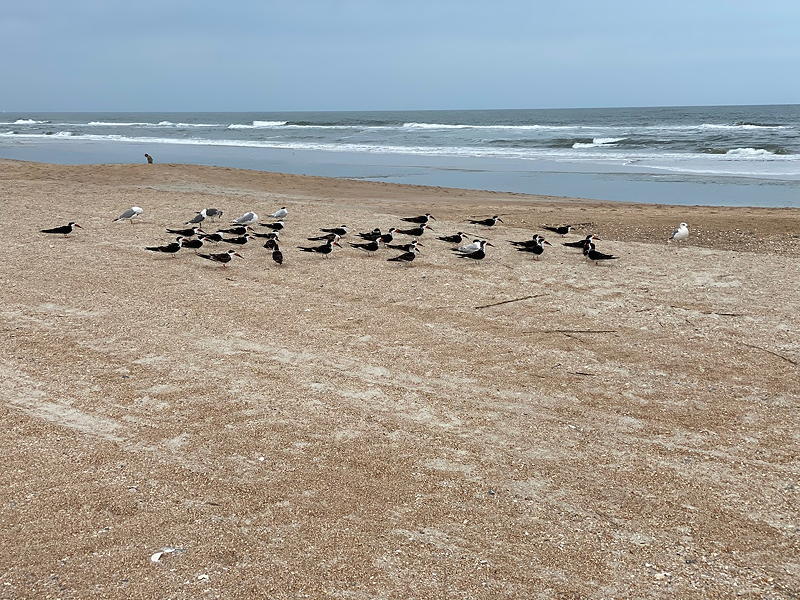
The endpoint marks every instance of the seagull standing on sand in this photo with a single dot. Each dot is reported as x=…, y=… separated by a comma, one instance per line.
x=247, y=218
x=681, y=233
x=198, y=218
x=213, y=212
x=280, y=213
x=469, y=248
x=64, y=230
x=129, y=215
x=479, y=254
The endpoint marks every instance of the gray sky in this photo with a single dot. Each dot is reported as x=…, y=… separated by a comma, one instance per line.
x=262, y=55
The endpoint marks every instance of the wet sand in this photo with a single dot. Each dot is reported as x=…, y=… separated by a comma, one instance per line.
x=352, y=428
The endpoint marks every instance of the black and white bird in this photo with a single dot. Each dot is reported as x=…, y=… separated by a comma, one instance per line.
x=324, y=249
x=270, y=235
x=130, y=214
x=199, y=217
x=223, y=257
x=184, y=232
x=410, y=247
x=372, y=246
x=388, y=236
x=537, y=249
x=560, y=229
x=280, y=213
x=64, y=230
x=581, y=243
x=240, y=230
x=274, y=226
x=194, y=243
x=341, y=231
x=211, y=237
x=534, y=241
x=247, y=218
x=421, y=219
x=479, y=254
x=212, y=213
x=681, y=233
x=456, y=238
x=240, y=241
x=171, y=248
x=471, y=247
x=416, y=231
x=593, y=255
x=406, y=257
x=277, y=255
x=371, y=235
x=491, y=222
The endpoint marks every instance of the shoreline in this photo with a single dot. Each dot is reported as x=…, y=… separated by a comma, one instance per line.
x=350, y=427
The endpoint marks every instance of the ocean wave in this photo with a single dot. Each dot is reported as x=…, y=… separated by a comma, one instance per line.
x=114, y=124
x=597, y=142
x=23, y=122
x=257, y=125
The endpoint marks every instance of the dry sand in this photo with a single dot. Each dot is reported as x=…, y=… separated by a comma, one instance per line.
x=352, y=428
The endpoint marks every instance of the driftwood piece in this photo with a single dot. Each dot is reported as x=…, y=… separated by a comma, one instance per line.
x=508, y=301
x=781, y=356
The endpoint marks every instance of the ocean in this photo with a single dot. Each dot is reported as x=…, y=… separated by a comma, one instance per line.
x=723, y=155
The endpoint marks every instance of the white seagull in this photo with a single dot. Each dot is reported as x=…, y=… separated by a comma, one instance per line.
x=247, y=218
x=129, y=215
x=470, y=248
x=198, y=218
x=681, y=233
x=280, y=213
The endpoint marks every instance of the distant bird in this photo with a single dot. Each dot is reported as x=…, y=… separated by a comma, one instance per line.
x=213, y=212
x=406, y=257
x=560, y=230
x=372, y=235
x=129, y=215
x=64, y=230
x=149, y=158
x=537, y=249
x=325, y=249
x=240, y=230
x=467, y=248
x=456, y=238
x=223, y=257
x=327, y=236
x=421, y=219
x=341, y=231
x=198, y=218
x=581, y=243
x=479, y=254
x=247, y=218
x=534, y=241
x=681, y=233
x=411, y=247
x=241, y=240
x=416, y=231
x=184, y=232
x=372, y=246
x=280, y=213
x=171, y=248
x=274, y=226
x=486, y=222
x=194, y=244
x=388, y=236
x=277, y=255
x=591, y=254
x=211, y=237
x=270, y=235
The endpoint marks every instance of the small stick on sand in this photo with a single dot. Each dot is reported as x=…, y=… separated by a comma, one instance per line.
x=508, y=301
x=568, y=331
x=789, y=360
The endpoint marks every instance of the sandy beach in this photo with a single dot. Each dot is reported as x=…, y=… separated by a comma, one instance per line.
x=352, y=428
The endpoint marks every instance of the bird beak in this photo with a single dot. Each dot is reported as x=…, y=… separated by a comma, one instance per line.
x=501, y=220
x=546, y=242
x=336, y=244
x=237, y=254
x=78, y=226
x=420, y=244
x=597, y=238
x=432, y=217
x=416, y=250
x=490, y=244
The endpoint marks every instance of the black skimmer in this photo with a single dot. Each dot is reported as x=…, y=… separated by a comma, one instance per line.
x=277, y=255
x=270, y=235
x=64, y=230
x=213, y=212
x=326, y=237
x=247, y=218
x=198, y=218
x=274, y=226
x=194, y=244
x=372, y=235
x=456, y=238
x=405, y=247
x=537, y=249
x=388, y=236
x=170, y=248
x=581, y=243
x=486, y=222
x=479, y=254
x=129, y=215
x=681, y=233
x=280, y=213
x=325, y=249
x=211, y=237
x=534, y=241
x=421, y=219
x=372, y=246
x=468, y=248
x=590, y=253
x=240, y=230
x=184, y=232
x=340, y=231
x=241, y=240
x=223, y=257
x=560, y=230
x=406, y=257
x=416, y=231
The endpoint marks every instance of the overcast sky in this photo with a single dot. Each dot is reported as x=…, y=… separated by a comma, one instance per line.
x=262, y=55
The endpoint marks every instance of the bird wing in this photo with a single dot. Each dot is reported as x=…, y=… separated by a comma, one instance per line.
x=127, y=214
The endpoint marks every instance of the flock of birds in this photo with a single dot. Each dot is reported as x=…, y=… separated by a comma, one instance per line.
x=242, y=230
